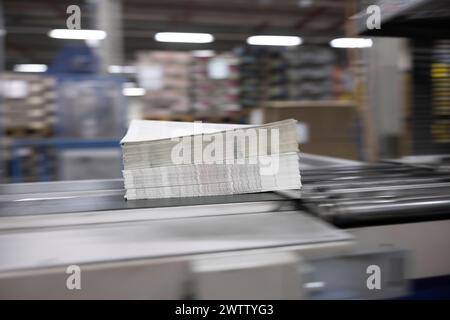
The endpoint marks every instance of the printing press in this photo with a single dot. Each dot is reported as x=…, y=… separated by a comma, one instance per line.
x=318, y=243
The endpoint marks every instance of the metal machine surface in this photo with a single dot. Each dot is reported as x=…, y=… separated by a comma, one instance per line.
x=398, y=204
x=377, y=194
x=36, y=249
x=178, y=248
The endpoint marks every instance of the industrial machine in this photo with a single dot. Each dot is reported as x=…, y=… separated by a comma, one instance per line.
x=354, y=231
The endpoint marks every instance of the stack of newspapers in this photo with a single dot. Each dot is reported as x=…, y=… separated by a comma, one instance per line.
x=164, y=159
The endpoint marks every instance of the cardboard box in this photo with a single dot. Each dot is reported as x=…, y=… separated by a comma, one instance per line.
x=327, y=127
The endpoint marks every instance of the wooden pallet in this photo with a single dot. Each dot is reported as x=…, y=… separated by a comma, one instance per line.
x=24, y=132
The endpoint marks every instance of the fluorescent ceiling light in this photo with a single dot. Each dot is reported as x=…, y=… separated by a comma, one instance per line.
x=203, y=53
x=133, y=92
x=305, y=3
x=274, y=40
x=121, y=69
x=184, y=37
x=77, y=34
x=30, y=68
x=351, y=43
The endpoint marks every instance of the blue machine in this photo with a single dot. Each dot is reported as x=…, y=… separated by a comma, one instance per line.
x=91, y=112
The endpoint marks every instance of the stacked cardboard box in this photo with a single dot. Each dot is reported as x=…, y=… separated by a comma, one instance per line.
x=28, y=111
x=325, y=127
x=166, y=76
x=28, y=108
x=215, y=93
x=281, y=74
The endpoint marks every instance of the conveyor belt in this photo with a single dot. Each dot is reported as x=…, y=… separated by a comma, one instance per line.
x=106, y=242
x=61, y=186
x=347, y=196
x=98, y=195
x=53, y=224
x=17, y=223
x=377, y=195
x=86, y=203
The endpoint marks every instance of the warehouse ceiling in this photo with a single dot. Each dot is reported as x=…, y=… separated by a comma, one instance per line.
x=28, y=22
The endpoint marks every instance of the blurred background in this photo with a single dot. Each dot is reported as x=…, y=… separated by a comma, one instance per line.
x=67, y=98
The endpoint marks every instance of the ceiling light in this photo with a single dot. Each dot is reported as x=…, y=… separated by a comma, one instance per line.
x=203, y=53
x=30, y=68
x=274, y=40
x=133, y=92
x=184, y=37
x=305, y=3
x=76, y=34
x=351, y=43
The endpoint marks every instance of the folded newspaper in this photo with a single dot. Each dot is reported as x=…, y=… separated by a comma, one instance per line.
x=164, y=159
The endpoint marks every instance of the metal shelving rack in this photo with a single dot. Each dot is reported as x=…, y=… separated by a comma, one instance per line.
x=2, y=32
x=426, y=23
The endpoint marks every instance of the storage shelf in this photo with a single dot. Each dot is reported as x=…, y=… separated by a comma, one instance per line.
x=307, y=103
